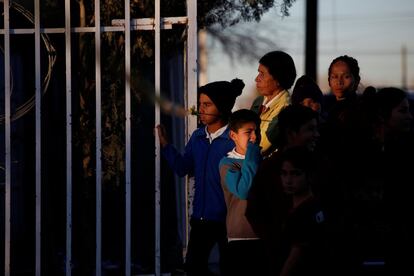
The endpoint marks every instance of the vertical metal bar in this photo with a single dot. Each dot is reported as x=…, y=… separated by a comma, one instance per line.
x=127, y=139
x=186, y=138
x=98, y=260
x=157, y=28
x=68, y=64
x=191, y=82
x=7, y=146
x=38, y=116
x=192, y=65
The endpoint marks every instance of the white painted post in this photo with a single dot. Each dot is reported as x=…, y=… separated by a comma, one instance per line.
x=191, y=86
x=98, y=257
x=7, y=138
x=38, y=115
x=157, y=29
x=127, y=139
x=68, y=65
x=192, y=65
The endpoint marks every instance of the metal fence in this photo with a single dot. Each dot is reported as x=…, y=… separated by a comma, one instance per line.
x=126, y=25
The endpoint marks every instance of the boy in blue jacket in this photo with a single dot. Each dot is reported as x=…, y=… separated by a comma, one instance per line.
x=203, y=152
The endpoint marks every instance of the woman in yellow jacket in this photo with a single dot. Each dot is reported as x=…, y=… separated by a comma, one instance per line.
x=277, y=73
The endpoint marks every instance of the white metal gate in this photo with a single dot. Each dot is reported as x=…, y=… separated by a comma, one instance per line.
x=127, y=25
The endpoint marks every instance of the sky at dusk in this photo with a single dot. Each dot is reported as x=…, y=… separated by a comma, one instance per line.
x=372, y=31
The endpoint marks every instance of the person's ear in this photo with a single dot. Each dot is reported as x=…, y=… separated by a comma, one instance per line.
x=233, y=135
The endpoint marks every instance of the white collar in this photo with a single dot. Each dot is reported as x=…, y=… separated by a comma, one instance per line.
x=268, y=104
x=235, y=155
x=214, y=135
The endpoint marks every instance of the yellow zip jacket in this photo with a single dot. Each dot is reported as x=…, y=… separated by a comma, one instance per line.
x=268, y=125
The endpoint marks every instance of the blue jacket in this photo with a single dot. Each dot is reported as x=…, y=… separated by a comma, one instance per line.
x=202, y=159
x=239, y=173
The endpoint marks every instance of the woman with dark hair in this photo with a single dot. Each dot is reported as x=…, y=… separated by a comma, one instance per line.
x=277, y=73
x=343, y=129
x=343, y=77
x=345, y=138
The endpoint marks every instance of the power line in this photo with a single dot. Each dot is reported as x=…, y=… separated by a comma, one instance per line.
x=366, y=52
x=376, y=17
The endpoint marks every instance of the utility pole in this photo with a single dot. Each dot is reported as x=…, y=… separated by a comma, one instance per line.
x=404, y=67
x=311, y=43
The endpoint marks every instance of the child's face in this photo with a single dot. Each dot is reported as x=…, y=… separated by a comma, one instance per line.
x=400, y=120
x=341, y=80
x=209, y=114
x=311, y=103
x=247, y=133
x=294, y=180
